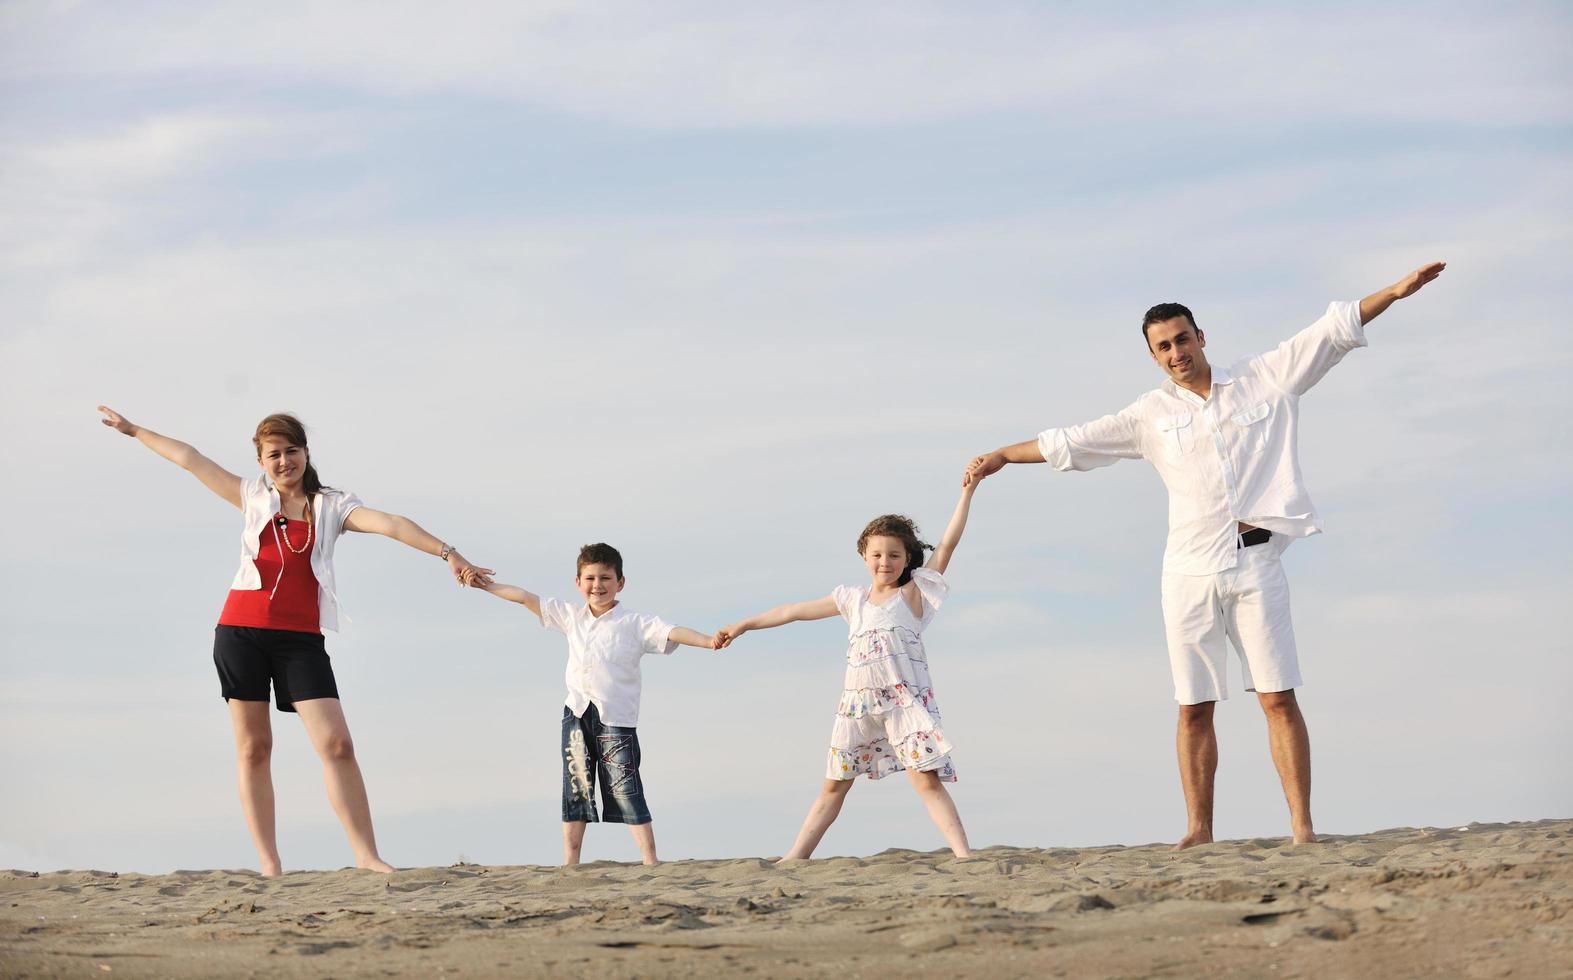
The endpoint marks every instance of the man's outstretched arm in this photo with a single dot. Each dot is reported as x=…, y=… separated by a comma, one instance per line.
x=1372, y=306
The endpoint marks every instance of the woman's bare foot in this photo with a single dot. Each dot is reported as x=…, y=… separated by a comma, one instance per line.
x=272, y=869
x=1192, y=839
x=375, y=863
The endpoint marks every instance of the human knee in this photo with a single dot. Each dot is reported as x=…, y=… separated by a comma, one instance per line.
x=338, y=747
x=1280, y=704
x=254, y=750
x=1197, y=718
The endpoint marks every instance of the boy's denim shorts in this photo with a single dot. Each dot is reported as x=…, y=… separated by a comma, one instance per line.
x=595, y=752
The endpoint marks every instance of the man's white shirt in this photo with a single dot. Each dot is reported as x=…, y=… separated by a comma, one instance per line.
x=1230, y=458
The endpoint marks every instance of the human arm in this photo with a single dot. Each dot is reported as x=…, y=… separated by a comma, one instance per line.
x=406, y=531
x=991, y=463
x=1373, y=306
x=692, y=638
x=1101, y=442
x=1296, y=365
x=958, y=523
x=792, y=612
x=213, y=476
x=512, y=593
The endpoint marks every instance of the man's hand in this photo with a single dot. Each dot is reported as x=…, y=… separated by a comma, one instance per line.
x=1410, y=284
x=1372, y=306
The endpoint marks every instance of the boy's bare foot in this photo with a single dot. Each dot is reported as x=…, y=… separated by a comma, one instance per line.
x=1192, y=839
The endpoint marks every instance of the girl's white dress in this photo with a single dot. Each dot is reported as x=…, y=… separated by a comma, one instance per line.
x=887, y=719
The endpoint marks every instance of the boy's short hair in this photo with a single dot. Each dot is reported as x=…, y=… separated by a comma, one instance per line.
x=599, y=553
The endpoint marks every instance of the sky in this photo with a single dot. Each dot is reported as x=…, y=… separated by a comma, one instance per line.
x=718, y=283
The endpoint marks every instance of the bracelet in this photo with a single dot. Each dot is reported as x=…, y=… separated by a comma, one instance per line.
x=447, y=550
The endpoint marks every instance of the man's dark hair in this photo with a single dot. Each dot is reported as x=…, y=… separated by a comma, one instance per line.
x=1162, y=312
x=599, y=553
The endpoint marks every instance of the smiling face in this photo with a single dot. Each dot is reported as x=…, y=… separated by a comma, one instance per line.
x=885, y=557
x=599, y=584
x=1176, y=345
x=283, y=461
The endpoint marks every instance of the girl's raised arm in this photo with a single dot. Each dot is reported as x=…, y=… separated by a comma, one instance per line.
x=406, y=531
x=792, y=612
x=213, y=476
x=958, y=523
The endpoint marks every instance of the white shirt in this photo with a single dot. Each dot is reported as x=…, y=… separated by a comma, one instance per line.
x=603, y=656
x=259, y=502
x=1232, y=457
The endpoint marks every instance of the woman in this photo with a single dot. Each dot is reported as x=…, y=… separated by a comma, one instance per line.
x=280, y=601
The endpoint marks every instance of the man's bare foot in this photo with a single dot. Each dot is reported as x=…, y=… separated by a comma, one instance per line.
x=376, y=864
x=1192, y=839
x=1305, y=836
x=651, y=862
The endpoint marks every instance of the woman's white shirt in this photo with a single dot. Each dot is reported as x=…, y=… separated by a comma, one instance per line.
x=259, y=502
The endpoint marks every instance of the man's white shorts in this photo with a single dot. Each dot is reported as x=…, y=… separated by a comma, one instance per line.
x=1248, y=604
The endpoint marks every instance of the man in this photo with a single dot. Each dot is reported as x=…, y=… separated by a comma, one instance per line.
x=1225, y=443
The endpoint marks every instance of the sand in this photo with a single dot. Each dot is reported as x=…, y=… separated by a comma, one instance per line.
x=1488, y=900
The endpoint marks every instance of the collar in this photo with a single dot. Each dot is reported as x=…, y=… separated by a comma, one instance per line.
x=587, y=613
x=1221, y=376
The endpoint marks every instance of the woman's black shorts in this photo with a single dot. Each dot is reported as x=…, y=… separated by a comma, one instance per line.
x=297, y=664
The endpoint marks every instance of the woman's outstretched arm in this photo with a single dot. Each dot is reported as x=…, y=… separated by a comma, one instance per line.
x=792, y=612
x=213, y=476
x=406, y=531
x=958, y=523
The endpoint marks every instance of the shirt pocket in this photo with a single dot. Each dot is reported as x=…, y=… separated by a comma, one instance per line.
x=1253, y=425
x=1176, y=435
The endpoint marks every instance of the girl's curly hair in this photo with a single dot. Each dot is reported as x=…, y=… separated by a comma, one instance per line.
x=903, y=528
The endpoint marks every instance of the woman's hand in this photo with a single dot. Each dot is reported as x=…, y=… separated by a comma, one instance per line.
x=118, y=422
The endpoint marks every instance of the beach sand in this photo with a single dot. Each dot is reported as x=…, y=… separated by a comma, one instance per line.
x=1488, y=900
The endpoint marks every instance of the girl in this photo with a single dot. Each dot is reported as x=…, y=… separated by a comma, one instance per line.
x=887, y=719
x=280, y=601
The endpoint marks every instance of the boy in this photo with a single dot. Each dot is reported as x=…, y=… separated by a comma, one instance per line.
x=605, y=643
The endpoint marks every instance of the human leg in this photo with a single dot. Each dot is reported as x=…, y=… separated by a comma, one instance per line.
x=942, y=809
x=1262, y=629
x=823, y=813
x=1194, y=628
x=1196, y=745
x=1290, y=742
x=622, y=789
x=573, y=840
x=578, y=798
x=254, y=753
x=330, y=736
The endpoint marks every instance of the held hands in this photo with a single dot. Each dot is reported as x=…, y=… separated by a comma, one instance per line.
x=725, y=635
x=467, y=574
x=981, y=467
x=116, y=421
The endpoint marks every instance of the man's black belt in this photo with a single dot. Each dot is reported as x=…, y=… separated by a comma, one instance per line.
x=1256, y=535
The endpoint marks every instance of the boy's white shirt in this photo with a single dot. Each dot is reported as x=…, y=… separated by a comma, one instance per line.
x=603, y=656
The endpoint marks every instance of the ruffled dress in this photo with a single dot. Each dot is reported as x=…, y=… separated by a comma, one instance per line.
x=888, y=719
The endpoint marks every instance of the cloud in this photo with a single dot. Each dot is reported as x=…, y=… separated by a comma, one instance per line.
x=819, y=64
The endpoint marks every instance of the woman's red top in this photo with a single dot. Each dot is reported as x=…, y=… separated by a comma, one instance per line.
x=287, y=603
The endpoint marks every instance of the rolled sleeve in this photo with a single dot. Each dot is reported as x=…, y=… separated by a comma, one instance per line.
x=1297, y=364
x=345, y=502
x=1101, y=442
x=555, y=614
x=656, y=633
